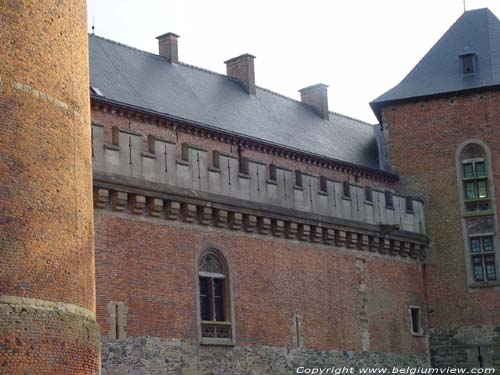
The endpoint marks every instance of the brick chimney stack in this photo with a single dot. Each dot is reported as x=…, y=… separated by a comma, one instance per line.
x=242, y=68
x=316, y=96
x=167, y=47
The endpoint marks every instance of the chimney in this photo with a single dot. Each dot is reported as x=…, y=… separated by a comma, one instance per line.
x=242, y=68
x=316, y=96
x=167, y=46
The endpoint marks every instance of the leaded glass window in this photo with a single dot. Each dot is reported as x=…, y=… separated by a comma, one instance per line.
x=483, y=259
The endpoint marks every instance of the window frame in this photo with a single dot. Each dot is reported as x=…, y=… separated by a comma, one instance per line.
x=420, y=321
x=468, y=215
x=483, y=254
x=228, y=309
x=475, y=180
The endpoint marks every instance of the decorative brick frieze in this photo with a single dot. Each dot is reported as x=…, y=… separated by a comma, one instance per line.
x=202, y=213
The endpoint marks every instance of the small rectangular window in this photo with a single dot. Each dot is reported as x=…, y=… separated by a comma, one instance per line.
x=468, y=63
x=416, y=321
x=468, y=170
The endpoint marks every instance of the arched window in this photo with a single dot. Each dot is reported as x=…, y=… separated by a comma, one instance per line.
x=214, y=299
x=479, y=218
x=475, y=178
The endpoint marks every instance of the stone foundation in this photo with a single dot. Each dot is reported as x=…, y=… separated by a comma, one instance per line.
x=463, y=347
x=148, y=355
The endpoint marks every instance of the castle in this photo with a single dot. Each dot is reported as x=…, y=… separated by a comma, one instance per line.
x=235, y=230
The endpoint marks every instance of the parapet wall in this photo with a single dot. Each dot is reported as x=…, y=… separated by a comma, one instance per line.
x=250, y=180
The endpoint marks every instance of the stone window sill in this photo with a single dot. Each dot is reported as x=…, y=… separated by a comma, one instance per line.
x=485, y=284
x=216, y=341
x=478, y=213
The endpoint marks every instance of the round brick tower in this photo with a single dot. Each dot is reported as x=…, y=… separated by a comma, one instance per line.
x=47, y=286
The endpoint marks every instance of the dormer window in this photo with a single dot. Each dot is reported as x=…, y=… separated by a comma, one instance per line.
x=469, y=63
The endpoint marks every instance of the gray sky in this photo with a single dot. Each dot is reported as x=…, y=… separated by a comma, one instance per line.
x=360, y=48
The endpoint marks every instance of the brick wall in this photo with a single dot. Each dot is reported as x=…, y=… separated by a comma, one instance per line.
x=423, y=139
x=150, y=265
x=47, y=290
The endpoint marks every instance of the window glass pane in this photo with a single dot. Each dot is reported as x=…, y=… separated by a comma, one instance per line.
x=475, y=245
x=468, y=171
x=204, y=299
x=480, y=169
x=477, y=268
x=469, y=191
x=488, y=244
x=491, y=273
x=482, y=192
x=219, y=299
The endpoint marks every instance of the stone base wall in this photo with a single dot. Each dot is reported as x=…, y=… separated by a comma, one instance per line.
x=148, y=355
x=463, y=347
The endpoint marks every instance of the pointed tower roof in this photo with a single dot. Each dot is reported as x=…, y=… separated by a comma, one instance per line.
x=475, y=34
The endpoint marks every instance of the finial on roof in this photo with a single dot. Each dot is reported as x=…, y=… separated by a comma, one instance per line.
x=93, y=25
x=465, y=6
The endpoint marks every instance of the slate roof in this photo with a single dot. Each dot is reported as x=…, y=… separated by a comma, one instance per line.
x=146, y=81
x=440, y=70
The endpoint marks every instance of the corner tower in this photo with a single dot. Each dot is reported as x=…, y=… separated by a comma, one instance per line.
x=47, y=286
x=442, y=123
